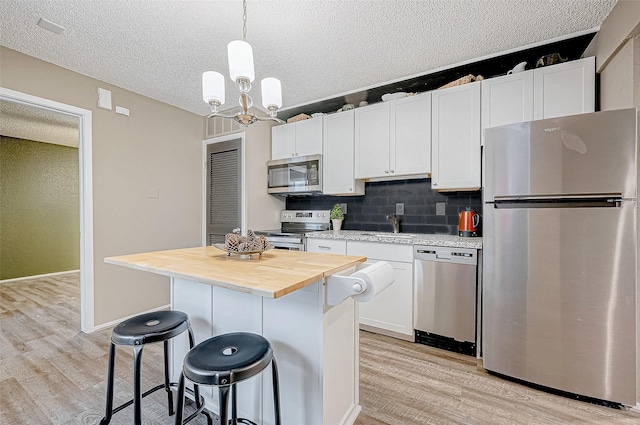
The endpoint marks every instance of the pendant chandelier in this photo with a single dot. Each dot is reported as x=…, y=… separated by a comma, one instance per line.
x=241, y=71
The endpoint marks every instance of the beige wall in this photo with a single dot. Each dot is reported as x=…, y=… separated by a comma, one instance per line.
x=616, y=80
x=158, y=146
x=262, y=209
x=617, y=51
x=620, y=23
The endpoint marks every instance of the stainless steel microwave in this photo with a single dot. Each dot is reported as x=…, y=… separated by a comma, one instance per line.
x=300, y=175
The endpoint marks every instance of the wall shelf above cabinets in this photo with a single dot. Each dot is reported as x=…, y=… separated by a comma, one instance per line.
x=393, y=139
x=300, y=138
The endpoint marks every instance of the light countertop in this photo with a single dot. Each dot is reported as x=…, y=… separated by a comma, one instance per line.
x=274, y=274
x=400, y=238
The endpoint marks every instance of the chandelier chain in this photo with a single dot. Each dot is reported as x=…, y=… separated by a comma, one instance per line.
x=244, y=20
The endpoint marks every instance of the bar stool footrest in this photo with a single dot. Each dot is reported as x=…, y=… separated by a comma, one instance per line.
x=130, y=402
x=200, y=409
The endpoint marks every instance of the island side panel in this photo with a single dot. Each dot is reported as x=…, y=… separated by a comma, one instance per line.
x=294, y=325
x=240, y=312
x=195, y=299
x=340, y=363
x=214, y=311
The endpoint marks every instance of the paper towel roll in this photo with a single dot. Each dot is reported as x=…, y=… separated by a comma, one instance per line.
x=377, y=277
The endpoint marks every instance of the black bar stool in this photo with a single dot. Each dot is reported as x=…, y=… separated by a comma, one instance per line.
x=223, y=361
x=140, y=330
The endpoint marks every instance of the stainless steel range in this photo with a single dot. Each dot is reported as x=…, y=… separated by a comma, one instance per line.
x=293, y=225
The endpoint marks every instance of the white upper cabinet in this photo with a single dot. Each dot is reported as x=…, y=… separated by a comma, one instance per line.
x=283, y=141
x=548, y=92
x=507, y=100
x=393, y=138
x=410, y=144
x=455, y=138
x=337, y=155
x=300, y=138
x=372, y=141
x=564, y=89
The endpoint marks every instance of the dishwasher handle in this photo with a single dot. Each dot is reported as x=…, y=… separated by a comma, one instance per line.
x=441, y=256
x=446, y=255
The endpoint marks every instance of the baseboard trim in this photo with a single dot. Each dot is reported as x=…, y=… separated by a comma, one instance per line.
x=393, y=334
x=38, y=276
x=115, y=322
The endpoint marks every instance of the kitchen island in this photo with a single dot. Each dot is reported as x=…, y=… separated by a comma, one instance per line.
x=280, y=295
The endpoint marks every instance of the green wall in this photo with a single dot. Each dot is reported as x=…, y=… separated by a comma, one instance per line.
x=39, y=208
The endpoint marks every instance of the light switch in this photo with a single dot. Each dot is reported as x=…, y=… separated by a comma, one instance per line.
x=153, y=193
x=400, y=208
x=344, y=207
x=104, y=99
x=122, y=110
x=440, y=208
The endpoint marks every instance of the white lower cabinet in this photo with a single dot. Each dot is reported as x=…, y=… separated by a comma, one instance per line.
x=391, y=311
x=327, y=246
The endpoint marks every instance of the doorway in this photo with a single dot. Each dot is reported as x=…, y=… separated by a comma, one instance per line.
x=84, y=118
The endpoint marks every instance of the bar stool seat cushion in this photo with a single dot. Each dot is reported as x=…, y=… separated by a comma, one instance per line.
x=150, y=327
x=228, y=358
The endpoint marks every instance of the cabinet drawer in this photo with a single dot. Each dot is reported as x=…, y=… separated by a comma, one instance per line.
x=327, y=246
x=381, y=251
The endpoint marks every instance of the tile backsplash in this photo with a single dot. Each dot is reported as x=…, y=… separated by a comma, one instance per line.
x=368, y=212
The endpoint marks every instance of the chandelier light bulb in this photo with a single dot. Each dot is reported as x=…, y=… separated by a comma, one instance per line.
x=271, y=92
x=240, y=56
x=213, y=87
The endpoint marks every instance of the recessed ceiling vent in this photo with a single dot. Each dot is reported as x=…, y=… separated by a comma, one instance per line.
x=48, y=25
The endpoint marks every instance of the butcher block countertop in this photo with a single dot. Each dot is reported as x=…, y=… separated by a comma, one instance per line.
x=273, y=274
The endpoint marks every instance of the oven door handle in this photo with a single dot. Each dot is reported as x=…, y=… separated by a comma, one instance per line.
x=286, y=240
x=292, y=246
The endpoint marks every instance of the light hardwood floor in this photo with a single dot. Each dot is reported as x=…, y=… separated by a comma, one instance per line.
x=50, y=373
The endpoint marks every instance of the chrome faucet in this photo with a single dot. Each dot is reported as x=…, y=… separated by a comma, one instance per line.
x=394, y=222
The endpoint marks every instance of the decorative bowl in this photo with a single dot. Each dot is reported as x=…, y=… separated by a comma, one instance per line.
x=222, y=247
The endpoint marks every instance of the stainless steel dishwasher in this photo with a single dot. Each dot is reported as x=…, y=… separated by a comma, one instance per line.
x=445, y=301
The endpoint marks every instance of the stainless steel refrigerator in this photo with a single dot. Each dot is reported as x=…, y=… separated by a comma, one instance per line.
x=560, y=253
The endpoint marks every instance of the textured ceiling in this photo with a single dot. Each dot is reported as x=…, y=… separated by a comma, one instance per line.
x=319, y=49
x=38, y=124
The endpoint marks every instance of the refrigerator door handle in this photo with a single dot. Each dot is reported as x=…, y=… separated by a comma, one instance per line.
x=560, y=201
x=582, y=197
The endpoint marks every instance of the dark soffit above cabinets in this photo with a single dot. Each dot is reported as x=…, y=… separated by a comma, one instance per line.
x=570, y=48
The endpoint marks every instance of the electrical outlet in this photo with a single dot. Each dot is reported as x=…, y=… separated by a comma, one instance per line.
x=440, y=208
x=344, y=208
x=400, y=208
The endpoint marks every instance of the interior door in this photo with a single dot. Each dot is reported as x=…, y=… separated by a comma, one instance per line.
x=223, y=189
